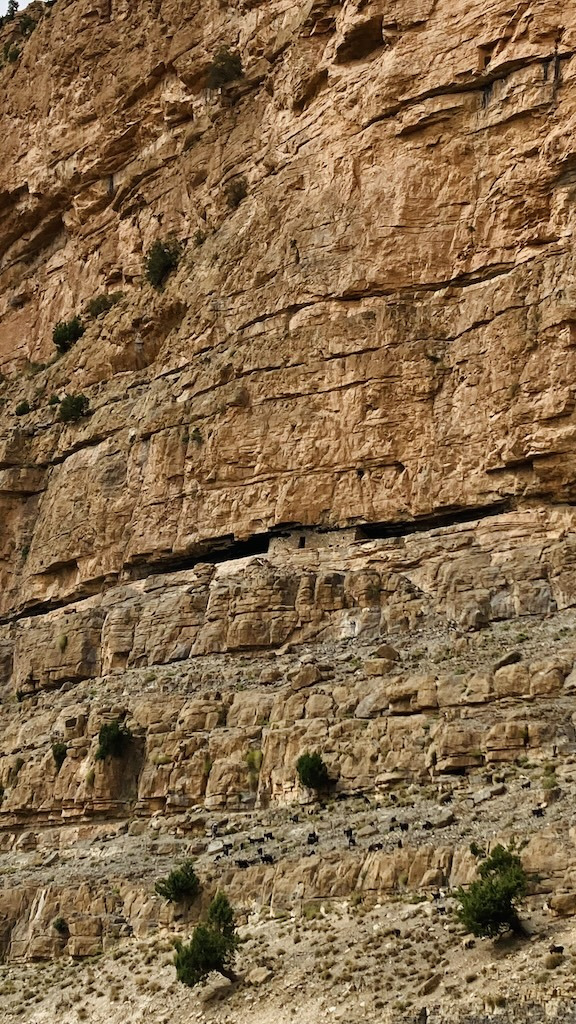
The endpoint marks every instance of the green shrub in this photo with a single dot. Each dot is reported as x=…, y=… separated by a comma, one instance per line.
x=161, y=259
x=26, y=24
x=61, y=926
x=53, y=400
x=59, y=751
x=73, y=407
x=181, y=885
x=312, y=771
x=113, y=739
x=236, y=191
x=66, y=332
x=10, y=52
x=212, y=946
x=22, y=408
x=221, y=916
x=102, y=303
x=225, y=67
x=489, y=905
x=253, y=763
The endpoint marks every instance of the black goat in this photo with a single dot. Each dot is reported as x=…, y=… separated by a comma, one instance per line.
x=266, y=858
x=312, y=839
x=375, y=846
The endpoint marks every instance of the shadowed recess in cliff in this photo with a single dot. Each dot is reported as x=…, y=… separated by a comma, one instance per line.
x=436, y=521
x=292, y=535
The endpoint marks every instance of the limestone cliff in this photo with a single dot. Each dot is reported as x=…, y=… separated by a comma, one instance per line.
x=382, y=329
x=346, y=417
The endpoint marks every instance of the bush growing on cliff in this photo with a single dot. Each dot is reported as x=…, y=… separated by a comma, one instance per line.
x=113, y=740
x=312, y=771
x=11, y=53
x=66, y=332
x=490, y=904
x=225, y=67
x=26, y=24
x=212, y=947
x=102, y=303
x=73, y=407
x=22, y=408
x=236, y=191
x=59, y=752
x=161, y=259
x=254, y=763
x=182, y=885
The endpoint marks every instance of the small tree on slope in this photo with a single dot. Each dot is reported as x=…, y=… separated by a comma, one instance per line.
x=489, y=906
x=212, y=947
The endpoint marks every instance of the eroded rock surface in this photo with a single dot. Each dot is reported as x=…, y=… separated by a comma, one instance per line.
x=323, y=499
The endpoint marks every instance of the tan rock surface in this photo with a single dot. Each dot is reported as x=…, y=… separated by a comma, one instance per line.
x=324, y=500
x=381, y=330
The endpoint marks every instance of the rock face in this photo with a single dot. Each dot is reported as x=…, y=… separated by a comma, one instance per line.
x=382, y=328
x=323, y=496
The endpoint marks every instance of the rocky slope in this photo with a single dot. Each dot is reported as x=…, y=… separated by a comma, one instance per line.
x=322, y=499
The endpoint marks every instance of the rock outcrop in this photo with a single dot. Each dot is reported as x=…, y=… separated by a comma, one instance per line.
x=320, y=495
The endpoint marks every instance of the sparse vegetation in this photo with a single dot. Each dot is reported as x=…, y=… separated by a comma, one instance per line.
x=225, y=67
x=61, y=926
x=73, y=407
x=22, y=408
x=312, y=771
x=161, y=259
x=236, y=191
x=113, y=740
x=102, y=303
x=26, y=24
x=59, y=752
x=489, y=905
x=212, y=946
x=66, y=333
x=182, y=885
x=253, y=764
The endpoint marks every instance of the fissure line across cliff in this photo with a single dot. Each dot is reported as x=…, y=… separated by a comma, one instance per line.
x=226, y=549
